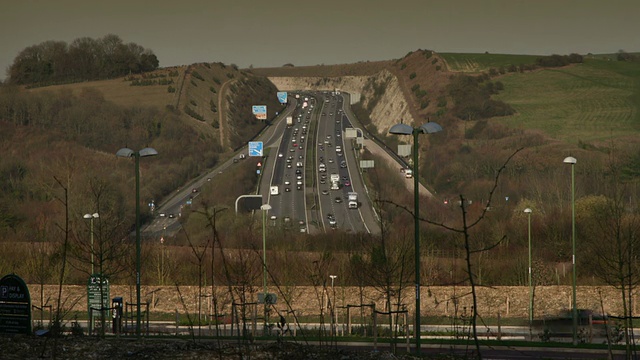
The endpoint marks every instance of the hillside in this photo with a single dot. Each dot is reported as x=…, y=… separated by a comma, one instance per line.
x=489, y=106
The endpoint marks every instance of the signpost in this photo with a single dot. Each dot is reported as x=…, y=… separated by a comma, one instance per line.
x=255, y=148
x=260, y=111
x=282, y=97
x=97, y=289
x=15, y=306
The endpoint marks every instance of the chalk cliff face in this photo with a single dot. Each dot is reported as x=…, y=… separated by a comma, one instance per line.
x=380, y=94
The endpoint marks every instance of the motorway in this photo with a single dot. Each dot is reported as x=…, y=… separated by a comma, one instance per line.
x=305, y=200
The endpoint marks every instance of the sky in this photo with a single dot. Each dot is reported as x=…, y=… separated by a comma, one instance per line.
x=268, y=33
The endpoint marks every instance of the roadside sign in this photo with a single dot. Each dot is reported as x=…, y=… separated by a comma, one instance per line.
x=255, y=148
x=260, y=111
x=269, y=298
x=15, y=306
x=282, y=97
x=97, y=288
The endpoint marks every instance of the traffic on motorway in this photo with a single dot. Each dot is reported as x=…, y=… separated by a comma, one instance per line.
x=310, y=176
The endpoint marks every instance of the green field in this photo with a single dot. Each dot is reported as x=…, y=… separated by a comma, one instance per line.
x=484, y=62
x=588, y=102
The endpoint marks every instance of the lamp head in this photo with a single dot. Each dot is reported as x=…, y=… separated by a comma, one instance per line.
x=527, y=210
x=265, y=207
x=401, y=129
x=430, y=128
x=570, y=160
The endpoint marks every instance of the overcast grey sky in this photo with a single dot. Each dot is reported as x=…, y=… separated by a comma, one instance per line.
x=271, y=33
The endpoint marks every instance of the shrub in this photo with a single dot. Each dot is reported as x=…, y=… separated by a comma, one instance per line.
x=193, y=102
x=412, y=75
x=415, y=87
x=212, y=89
x=216, y=80
x=192, y=113
x=435, y=60
x=424, y=103
x=171, y=89
x=230, y=75
x=197, y=75
x=207, y=65
x=173, y=73
x=194, y=83
x=403, y=66
x=438, y=68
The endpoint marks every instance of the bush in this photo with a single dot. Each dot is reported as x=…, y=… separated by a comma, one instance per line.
x=194, y=83
x=171, y=89
x=216, y=80
x=403, y=66
x=438, y=68
x=412, y=75
x=424, y=103
x=173, y=73
x=212, y=89
x=197, y=75
x=415, y=87
x=193, y=102
x=434, y=61
x=192, y=113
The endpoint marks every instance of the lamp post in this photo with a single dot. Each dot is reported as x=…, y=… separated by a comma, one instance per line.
x=404, y=129
x=572, y=161
x=91, y=217
x=528, y=212
x=333, y=306
x=126, y=152
x=265, y=208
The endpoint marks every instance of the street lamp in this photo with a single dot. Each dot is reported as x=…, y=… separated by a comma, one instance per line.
x=333, y=307
x=91, y=217
x=126, y=152
x=572, y=161
x=265, y=208
x=528, y=212
x=404, y=129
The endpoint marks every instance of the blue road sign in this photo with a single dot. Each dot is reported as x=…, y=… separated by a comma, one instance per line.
x=260, y=111
x=255, y=148
x=282, y=97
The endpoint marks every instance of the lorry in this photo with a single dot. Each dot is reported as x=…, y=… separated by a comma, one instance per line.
x=353, y=200
x=289, y=120
x=275, y=190
x=335, y=181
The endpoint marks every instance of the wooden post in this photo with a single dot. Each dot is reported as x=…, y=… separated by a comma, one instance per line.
x=499, y=328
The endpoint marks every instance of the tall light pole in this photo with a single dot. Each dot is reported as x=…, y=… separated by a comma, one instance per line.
x=126, y=152
x=333, y=307
x=91, y=217
x=572, y=161
x=528, y=212
x=404, y=129
x=265, y=208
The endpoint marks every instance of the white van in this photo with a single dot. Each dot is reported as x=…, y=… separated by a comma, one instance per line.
x=275, y=190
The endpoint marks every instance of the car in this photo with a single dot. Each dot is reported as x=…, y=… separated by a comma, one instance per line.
x=289, y=166
x=330, y=161
x=323, y=181
x=299, y=183
x=345, y=178
x=292, y=150
x=321, y=159
x=329, y=216
x=338, y=200
x=298, y=171
x=295, y=144
x=347, y=183
x=287, y=182
x=243, y=156
x=325, y=192
x=343, y=164
x=273, y=217
x=301, y=157
x=208, y=179
x=299, y=177
x=280, y=155
x=299, y=187
x=194, y=190
x=329, y=136
x=235, y=160
x=300, y=147
x=332, y=222
x=287, y=219
x=287, y=189
x=162, y=214
x=171, y=216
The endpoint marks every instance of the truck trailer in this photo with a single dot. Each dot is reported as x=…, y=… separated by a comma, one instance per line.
x=289, y=120
x=353, y=200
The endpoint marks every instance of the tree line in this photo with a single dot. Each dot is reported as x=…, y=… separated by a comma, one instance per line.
x=84, y=59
